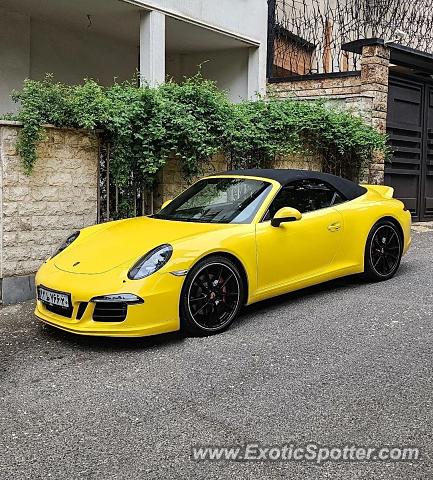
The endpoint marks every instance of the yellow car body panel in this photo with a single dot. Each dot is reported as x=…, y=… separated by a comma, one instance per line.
x=325, y=244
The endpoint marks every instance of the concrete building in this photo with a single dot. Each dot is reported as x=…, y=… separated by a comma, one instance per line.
x=107, y=39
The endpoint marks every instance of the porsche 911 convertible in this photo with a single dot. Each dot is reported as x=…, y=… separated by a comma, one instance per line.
x=227, y=241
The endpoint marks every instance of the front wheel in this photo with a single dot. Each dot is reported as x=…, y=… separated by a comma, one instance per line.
x=212, y=296
x=383, y=251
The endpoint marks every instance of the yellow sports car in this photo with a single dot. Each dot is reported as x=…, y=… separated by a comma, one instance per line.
x=229, y=240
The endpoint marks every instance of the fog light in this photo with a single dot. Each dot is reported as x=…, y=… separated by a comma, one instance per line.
x=129, y=298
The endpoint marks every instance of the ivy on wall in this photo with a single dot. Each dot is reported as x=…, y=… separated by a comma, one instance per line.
x=194, y=121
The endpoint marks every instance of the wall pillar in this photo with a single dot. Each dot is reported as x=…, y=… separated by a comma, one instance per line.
x=152, y=48
x=253, y=73
x=374, y=85
x=256, y=72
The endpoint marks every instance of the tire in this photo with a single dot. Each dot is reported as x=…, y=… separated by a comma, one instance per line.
x=383, y=251
x=212, y=296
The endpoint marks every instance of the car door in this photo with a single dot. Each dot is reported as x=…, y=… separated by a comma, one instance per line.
x=299, y=251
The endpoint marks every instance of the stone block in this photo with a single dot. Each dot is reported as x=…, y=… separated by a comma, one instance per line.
x=59, y=178
x=9, y=268
x=57, y=136
x=9, y=147
x=16, y=253
x=376, y=177
x=11, y=178
x=15, y=193
x=84, y=141
x=72, y=139
x=44, y=193
x=28, y=266
x=10, y=239
x=90, y=219
x=374, y=74
x=380, y=51
x=15, y=223
x=10, y=208
x=17, y=289
x=375, y=61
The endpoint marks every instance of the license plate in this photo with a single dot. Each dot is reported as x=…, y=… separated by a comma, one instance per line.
x=53, y=298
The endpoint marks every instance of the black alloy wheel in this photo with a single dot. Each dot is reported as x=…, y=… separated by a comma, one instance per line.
x=383, y=251
x=212, y=296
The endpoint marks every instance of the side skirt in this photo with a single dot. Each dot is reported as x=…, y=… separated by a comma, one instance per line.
x=304, y=283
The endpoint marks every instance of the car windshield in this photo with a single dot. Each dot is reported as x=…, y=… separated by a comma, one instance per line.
x=218, y=200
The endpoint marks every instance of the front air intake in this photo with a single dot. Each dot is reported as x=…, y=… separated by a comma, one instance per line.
x=110, y=312
x=62, y=311
x=81, y=309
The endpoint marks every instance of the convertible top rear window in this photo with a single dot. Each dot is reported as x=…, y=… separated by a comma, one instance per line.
x=349, y=189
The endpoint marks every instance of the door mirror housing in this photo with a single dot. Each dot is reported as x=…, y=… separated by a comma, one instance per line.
x=284, y=215
x=165, y=203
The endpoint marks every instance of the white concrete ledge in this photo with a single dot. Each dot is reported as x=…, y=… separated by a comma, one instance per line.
x=10, y=123
x=14, y=123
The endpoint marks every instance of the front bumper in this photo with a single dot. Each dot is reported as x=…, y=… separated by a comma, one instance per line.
x=158, y=314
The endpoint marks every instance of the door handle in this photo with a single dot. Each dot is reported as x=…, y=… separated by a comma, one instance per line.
x=334, y=227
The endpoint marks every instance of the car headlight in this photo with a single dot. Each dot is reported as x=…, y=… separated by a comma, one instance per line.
x=151, y=262
x=66, y=243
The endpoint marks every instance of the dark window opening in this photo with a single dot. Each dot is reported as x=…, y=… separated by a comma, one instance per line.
x=306, y=196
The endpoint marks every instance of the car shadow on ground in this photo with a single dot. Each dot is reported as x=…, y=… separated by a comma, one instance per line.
x=169, y=339
x=292, y=298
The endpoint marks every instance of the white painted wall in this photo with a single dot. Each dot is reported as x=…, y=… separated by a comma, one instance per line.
x=14, y=56
x=229, y=68
x=72, y=56
x=30, y=48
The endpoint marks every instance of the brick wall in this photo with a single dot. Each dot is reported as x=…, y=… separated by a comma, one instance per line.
x=39, y=211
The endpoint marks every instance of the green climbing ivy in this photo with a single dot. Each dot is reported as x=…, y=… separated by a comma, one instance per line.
x=192, y=120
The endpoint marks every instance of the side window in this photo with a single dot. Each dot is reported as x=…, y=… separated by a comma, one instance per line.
x=305, y=196
x=322, y=195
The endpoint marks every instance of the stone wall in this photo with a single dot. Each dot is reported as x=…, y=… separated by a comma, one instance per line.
x=339, y=91
x=39, y=211
x=363, y=93
x=340, y=87
x=171, y=181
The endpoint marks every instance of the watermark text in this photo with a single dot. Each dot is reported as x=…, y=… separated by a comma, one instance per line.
x=310, y=452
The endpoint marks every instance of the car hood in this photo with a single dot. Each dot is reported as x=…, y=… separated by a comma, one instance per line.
x=116, y=243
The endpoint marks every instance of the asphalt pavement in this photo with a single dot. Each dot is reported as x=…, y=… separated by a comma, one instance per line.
x=343, y=363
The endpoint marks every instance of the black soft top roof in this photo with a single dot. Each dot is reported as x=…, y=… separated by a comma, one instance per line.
x=349, y=189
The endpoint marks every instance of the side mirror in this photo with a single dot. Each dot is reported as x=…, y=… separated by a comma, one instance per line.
x=286, y=214
x=165, y=204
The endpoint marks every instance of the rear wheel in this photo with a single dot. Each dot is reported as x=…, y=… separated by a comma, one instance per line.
x=383, y=251
x=212, y=296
